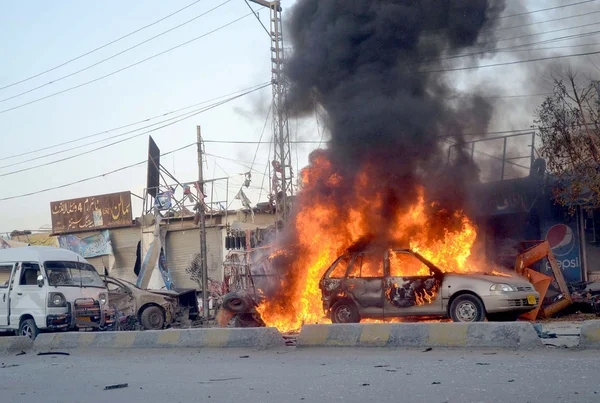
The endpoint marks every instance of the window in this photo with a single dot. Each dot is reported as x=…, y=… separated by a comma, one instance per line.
x=407, y=265
x=29, y=274
x=5, y=271
x=341, y=266
x=367, y=265
x=73, y=274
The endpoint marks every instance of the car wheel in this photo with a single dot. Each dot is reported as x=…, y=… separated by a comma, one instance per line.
x=29, y=329
x=152, y=318
x=344, y=312
x=502, y=317
x=467, y=308
x=236, y=303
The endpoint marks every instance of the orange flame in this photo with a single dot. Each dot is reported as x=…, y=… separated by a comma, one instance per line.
x=324, y=232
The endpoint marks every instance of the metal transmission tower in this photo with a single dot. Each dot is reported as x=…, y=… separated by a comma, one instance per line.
x=281, y=170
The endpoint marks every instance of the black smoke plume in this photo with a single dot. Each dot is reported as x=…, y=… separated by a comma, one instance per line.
x=366, y=63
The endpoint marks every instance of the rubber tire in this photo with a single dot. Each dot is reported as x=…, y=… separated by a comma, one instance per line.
x=146, y=321
x=480, y=314
x=502, y=317
x=30, y=323
x=236, y=303
x=354, y=315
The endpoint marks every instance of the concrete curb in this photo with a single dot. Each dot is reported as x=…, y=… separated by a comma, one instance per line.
x=511, y=335
x=590, y=334
x=18, y=343
x=255, y=338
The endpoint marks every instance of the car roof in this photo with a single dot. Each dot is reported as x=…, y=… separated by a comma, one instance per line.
x=39, y=254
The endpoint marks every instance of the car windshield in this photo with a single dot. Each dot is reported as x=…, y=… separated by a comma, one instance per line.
x=73, y=274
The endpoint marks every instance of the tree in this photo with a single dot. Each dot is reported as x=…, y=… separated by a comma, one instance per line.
x=568, y=125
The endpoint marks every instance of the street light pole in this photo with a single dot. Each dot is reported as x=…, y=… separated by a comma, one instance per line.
x=202, y=213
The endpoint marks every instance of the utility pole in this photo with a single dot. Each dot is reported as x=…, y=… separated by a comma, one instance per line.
x=282, y=177
x=202, y=213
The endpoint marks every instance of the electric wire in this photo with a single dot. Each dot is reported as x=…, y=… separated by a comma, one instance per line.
x=101, y=47
x=54, y=81
x=132, y=124
x=92, y=177
x=126, y=67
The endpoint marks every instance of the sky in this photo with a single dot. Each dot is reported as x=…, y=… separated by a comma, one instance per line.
x=39, y=35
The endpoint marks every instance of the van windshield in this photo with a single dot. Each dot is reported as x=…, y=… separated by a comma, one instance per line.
x=72, y=274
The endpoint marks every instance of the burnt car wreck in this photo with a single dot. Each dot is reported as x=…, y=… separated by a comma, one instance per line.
x=401, y=283
x=149, y=309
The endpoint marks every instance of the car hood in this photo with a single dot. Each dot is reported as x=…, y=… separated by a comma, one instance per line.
x=515, y=280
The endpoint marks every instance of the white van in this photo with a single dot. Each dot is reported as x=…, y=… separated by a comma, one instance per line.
x=45, y=288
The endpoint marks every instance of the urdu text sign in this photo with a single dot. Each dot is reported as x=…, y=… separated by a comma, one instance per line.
x=89, y=213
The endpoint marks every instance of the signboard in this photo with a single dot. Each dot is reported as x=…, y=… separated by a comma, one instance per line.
x=515, y=196
x=89, y=213
x=91, y=246
x=564, y=242
x=153, y=179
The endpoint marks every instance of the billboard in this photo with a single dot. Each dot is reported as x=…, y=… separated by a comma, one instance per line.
x=563, y=239
x=153, y=179
x=91, y=246
x=90, y=213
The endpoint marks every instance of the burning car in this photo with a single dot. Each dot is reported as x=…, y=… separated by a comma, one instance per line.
x=400, y=282
x=153, y=309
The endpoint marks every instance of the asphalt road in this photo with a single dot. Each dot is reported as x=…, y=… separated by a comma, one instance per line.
x=289, y=375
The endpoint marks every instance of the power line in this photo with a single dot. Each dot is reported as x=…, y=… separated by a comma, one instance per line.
x=542, y=22
x=126, y=139
x=134, y=123
x=261, y=135
x=93, y=177
x=100, y=47
x=256, y=142
x=118, y=135
x=258, y=18
x=509, y=63
x=234, y=161
x=113, y=56
x=496, y=50
x=127, y=67
x=545, y=9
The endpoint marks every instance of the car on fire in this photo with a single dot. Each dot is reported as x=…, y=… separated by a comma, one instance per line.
x=153, y=309
x=370, y=284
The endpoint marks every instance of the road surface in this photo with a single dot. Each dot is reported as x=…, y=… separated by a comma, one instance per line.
x=290, y=375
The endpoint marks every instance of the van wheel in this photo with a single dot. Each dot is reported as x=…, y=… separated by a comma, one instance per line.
x=467, y=308
x=152, y=318
x=344, y=312
x=29, y=329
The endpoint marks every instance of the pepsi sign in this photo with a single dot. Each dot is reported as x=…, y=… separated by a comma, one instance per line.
x=564, y=242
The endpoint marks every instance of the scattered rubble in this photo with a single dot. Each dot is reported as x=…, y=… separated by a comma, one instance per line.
x=116, y=386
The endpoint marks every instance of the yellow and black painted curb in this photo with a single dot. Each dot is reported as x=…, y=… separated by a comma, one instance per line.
x=256, y=338
x=513, y=335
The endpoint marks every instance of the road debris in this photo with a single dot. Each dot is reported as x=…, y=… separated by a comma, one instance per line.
x=52, y=353
x=244, y=356
x=482, y=363
x=365, y=384
x=9, y=365
x=427, y=349
x=436, y=383
x=381, y=366
x=21, y=353
x=116, y=386
x=224, y=379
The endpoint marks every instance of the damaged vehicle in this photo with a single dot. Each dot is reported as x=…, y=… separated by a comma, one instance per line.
x=374, y=284
x=152, y=309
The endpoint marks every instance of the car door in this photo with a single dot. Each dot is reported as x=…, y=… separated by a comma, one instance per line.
x=27, y=296
x=120, y=297
x=364, y=282
x=411, y=286
x=6, y=273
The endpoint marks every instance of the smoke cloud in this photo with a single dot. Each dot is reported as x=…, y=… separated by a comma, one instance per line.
x=366, y=63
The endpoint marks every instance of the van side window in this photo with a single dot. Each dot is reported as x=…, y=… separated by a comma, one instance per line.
x=5, y=275
x=29, y=274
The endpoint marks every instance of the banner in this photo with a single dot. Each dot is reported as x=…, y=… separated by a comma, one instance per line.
x=91, y=246
x=563, y=238
x=42, y=239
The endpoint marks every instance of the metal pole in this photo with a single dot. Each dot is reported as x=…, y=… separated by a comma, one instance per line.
x=503, y=160
x=472, y=151
x=203, y=253
x=532, y=149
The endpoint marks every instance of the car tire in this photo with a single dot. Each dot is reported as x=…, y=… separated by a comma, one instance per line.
x=29, y=329
x=344, y=312
x=152, y=318
x=236, y=303
x=467, y=308
x=502, y=317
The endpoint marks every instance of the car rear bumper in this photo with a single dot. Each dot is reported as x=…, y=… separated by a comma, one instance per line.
x=513, y=301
